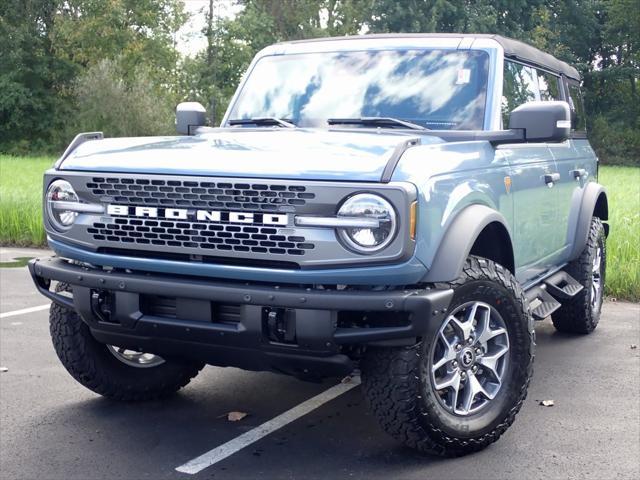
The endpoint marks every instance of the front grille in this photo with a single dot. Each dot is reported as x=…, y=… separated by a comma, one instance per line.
x=201, y=194
x=209, y=237
x=219, y=237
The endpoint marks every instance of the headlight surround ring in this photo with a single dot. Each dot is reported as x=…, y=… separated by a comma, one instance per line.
x=368, y=240
x=60, y=191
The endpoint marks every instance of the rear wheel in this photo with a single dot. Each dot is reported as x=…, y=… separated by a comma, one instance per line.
x=113, y=371
x=461, y=387
x=581, y=314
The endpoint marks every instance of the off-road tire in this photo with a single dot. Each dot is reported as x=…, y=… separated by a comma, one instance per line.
x=578, y=315
x=398, y=388
x=92, y=365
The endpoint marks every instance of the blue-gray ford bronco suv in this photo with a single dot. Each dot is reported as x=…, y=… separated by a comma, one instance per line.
x=401, y=205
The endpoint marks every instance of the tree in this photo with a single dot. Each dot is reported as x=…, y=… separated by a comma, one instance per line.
x=48, y=43
x=106, y=101
x=136, y=31
x=213, y=76
x=32, y=78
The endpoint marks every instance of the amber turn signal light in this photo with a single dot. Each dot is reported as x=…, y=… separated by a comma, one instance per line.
x=412, y=220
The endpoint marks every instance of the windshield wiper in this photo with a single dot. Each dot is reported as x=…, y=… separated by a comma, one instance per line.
x=376, y=121
x=262, y=121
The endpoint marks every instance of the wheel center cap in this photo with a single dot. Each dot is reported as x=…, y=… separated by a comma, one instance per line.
x=467, y=357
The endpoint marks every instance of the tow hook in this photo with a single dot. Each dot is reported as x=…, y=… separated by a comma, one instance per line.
x=279, y=324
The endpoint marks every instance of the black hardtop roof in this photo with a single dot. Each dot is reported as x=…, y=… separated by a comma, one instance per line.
x=513, y=49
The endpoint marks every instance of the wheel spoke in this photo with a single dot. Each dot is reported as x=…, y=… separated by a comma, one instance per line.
x=468, y=395
x=471, y=390
x=454, y=393
x=470, y=313
x=464, y=329
x=451, y=380
x=490, y=362
x=597, y=260
x=488, y=334
x=438, y=365
x=447, y=343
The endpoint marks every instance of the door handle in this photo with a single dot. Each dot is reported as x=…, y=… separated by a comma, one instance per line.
x=551, y=178
x=578, y=173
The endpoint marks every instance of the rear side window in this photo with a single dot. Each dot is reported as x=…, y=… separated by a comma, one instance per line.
x=549, y=86
x=520, y=85
x=578, y=118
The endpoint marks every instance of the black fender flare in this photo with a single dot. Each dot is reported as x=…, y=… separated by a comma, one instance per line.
x=458, y=240
x=594, y=202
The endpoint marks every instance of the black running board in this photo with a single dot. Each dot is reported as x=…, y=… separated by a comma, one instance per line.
x=547, y=296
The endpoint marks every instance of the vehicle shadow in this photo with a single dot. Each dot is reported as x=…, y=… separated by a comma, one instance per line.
x=340, y=438
x=155, y=437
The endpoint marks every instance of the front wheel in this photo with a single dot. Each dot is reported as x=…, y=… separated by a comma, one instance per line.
x=112, y=371
x=461, y=387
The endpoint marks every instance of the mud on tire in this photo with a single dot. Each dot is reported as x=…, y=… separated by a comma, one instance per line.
x=399, y=390
x=95, y=367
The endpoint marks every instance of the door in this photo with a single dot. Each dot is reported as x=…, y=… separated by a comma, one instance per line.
x=534, y=178
x=577, y=165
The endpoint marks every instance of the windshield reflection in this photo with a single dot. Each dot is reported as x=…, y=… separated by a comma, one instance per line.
x=438, y=89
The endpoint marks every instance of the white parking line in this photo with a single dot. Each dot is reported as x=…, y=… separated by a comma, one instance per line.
x=227, y=449
x=24, y=310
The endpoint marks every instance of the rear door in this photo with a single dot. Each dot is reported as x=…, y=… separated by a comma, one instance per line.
x=576, y=165
x=535, y=199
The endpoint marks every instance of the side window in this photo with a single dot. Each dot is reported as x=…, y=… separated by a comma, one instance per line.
x=549, y=86
x=520, y=85
x=578, y=118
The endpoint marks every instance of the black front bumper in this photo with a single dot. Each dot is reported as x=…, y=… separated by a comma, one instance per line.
x=294, y=330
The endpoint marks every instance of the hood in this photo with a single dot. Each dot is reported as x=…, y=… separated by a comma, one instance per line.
x=312, y=154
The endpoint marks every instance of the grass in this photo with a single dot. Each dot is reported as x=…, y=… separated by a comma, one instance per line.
x=623, y=244
x=21, y=200
x=21, y=216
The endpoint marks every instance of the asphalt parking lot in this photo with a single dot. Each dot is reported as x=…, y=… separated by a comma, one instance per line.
x=53, y=428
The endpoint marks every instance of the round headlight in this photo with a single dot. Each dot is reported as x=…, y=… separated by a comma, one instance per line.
x=61, y=191
x=368, y=239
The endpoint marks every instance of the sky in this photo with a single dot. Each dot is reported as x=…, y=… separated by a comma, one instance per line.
x=190, y=37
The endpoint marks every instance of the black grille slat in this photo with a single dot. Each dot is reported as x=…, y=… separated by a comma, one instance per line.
x=233, y=196
x=222, y=237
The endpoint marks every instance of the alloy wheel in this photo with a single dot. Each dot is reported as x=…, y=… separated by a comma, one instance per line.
x=134, y=358
x=469, y=358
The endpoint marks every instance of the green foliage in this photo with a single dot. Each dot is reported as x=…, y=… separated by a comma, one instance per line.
x=623, y=244
x=32, y=103
x=138, y=32
x=508, y=17
x=21, y=200
x=616, y=143
x=47, y=44
x=110, y=102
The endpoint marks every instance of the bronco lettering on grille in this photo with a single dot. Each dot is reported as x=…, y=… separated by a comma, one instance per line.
x=200, y=215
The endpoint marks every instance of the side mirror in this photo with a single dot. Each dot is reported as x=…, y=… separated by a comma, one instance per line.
x=189, y=116
x=542, y=121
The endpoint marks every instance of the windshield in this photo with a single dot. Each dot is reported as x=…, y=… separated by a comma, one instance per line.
x=437, y=89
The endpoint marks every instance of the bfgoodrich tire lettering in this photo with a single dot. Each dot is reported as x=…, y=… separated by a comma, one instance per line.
x=399, y=390
x=91, y=363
